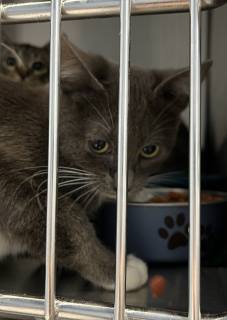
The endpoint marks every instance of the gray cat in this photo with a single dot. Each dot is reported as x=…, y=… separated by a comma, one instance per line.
x=87, y=157
x=24, y=62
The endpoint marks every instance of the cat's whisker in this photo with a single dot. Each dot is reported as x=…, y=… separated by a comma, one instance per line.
x=81, y=176
x=28, y=179
x=73, y=183
x=87, y=196
x=91, y=196
x=77, y=189
x=29, y=168
x=88, y=192
x=63, y=174
x=61, y=169
x=37, y=195
x=77, y=173
x=82, y=195
x=39, y=203
x=41, y=184
x=73, y=168
x=76, y=178
x=93, y=188
x=70, y=182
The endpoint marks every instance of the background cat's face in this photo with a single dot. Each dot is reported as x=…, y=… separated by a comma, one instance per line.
x=90, y=86
x=23, y=62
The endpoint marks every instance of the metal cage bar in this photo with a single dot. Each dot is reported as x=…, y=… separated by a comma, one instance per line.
x=27, y=11
x=195, y=154
x=52, y=159
x=23, y=306
x=122, y=170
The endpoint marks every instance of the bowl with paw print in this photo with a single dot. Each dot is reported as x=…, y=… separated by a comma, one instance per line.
x=158, y=224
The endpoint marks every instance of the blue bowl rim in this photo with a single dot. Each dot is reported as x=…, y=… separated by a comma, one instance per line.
x=178, y=204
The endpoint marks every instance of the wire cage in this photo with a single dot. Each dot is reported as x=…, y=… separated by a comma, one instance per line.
x=32, y=11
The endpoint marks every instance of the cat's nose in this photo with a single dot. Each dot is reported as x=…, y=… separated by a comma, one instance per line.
x=23, y=73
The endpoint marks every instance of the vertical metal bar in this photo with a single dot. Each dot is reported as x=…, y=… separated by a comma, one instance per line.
x=195, y=149
x=52, y=158
x=125, y=11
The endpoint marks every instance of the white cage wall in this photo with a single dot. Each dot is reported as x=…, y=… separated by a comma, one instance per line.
x=56, y=10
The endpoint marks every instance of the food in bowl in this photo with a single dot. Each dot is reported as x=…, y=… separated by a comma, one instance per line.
x=176, y=197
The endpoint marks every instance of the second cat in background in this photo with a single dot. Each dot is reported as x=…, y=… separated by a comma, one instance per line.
x=24, y=62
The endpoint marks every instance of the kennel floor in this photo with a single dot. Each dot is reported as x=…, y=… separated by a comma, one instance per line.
x=24, y=276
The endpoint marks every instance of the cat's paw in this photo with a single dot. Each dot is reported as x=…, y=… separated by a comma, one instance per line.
x=136, y=273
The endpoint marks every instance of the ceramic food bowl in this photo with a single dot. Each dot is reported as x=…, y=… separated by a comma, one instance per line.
x=159, y=232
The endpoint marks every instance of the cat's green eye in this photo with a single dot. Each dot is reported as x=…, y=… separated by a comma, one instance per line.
x=11, y=61
x=99, y=146
x=150, y=151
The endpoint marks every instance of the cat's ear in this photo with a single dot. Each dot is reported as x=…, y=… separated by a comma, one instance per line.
x=175, y=84
x=80, y=70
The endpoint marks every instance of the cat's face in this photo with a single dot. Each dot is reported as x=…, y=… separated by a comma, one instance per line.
x=89, y=131
x=23, y=62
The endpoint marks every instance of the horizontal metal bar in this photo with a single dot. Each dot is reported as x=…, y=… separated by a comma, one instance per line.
x=17, y=306
x=27, y=11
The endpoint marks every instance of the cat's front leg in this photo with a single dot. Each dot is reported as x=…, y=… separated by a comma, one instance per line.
x=78, y=248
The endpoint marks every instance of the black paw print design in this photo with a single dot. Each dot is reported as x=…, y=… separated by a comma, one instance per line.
x=175, y=238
